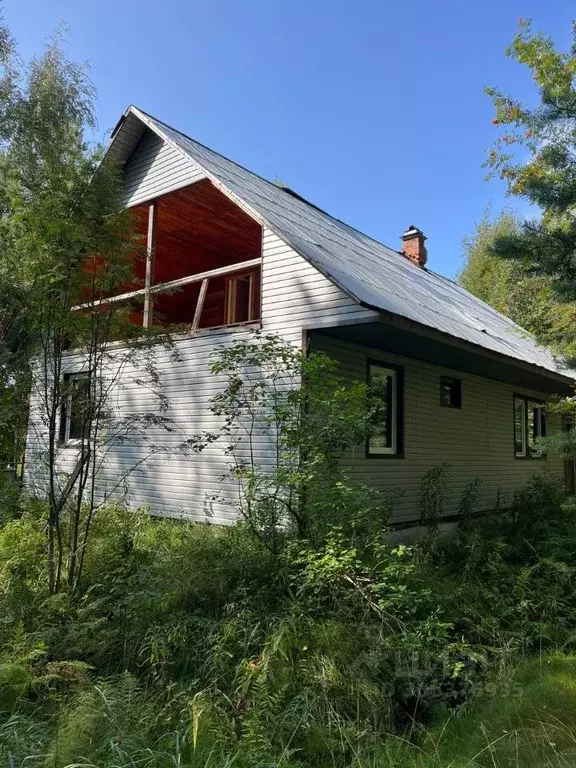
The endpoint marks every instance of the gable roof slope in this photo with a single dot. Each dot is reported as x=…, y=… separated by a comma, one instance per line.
x=368, y=271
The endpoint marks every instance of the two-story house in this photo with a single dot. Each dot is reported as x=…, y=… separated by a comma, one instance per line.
x=465, y=385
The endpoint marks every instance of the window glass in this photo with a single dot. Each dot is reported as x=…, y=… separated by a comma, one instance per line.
x=383, y=386
x=519, y=426
x=529, y=425
x=536, y=427
x=75, y=403
x=450, y=392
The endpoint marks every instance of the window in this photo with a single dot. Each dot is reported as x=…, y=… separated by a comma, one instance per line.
x=385, y=387
x=75, y=402
x=240, y=299
x=450, y=392
x=529, y=425
x=519, y=426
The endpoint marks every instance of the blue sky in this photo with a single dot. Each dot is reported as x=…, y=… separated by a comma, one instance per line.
x=373, y=110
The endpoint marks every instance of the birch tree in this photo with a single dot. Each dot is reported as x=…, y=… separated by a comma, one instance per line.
x=64, y=242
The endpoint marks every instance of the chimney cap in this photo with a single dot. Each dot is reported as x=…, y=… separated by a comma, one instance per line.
x=413, y=231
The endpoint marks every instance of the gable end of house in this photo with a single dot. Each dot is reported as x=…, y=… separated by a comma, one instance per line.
x=372, y=276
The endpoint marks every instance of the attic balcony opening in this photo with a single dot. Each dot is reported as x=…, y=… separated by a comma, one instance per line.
x=197, y=264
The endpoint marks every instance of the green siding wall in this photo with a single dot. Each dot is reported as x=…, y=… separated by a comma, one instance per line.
x=476, y=440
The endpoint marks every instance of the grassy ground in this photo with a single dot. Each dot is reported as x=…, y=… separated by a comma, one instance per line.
x=532, y=722
x=110, y=724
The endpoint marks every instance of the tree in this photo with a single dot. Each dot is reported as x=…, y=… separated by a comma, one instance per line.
x=14, y=387
x=293, y=408
x=509, y=286
x=546, y=245
x=65, y=242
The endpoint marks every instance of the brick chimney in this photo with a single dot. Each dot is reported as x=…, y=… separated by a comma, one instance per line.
x=413, y=245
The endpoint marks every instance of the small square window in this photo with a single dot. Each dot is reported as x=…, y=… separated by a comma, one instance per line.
x=450, y=392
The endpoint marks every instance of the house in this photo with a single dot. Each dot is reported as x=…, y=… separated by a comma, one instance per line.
x=465, y=385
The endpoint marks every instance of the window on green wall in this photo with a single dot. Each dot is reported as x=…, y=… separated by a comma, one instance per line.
x=385, y=383
x=450, y=392
x=529, y=425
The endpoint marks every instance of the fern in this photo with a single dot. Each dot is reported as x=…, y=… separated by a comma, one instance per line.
x=468, y=501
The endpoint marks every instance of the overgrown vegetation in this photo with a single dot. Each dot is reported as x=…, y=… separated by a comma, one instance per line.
x=65, y=242
x=287, y=420
x=199, y=646
x=305, y=635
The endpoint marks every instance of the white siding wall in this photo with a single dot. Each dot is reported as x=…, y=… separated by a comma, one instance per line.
x=476, y=440
x=294, y=296
x=156, y=168
x=170, y=484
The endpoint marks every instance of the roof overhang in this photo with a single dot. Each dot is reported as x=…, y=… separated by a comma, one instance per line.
x=403, y=337
x=125, y=136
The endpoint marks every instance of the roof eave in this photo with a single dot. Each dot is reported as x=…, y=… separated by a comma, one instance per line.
x=399, y=321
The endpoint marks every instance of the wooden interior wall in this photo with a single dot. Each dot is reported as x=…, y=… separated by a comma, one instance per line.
x=198, y=229
x=179, y=306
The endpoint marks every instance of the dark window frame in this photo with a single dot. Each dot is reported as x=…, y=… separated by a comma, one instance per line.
x=451, y=380
x=398, y=404
x=66, y=408
x=539, y=403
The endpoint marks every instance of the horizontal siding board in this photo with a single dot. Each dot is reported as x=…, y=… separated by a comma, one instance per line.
x=156, y=168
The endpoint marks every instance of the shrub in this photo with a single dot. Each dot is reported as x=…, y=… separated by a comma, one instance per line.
x=23, y=583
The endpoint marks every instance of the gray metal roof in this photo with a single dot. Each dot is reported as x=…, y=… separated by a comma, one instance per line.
x=370, y=272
